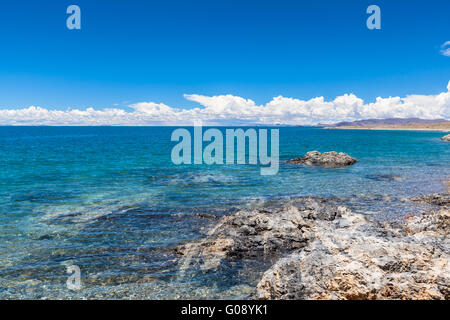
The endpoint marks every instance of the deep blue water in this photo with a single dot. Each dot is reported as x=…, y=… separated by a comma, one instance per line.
x=109, y=200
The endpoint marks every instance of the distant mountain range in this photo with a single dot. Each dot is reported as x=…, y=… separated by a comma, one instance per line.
x=382, y=122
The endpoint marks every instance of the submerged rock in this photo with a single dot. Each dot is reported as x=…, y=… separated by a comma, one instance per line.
x=446, y=138
x=326, y=159
x=437, y=199
x=384, y=177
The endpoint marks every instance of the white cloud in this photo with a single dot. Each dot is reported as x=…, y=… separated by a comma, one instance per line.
x=446, y=52
x=445, y=49
x=229, y=110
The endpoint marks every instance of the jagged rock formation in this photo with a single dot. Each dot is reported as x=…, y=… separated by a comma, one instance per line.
x=324, y=251
x=267, y=231
x=355, y=259
x=326, y=159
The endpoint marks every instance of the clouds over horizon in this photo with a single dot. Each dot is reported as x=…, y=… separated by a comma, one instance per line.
x=445, y=49
x=234, y=110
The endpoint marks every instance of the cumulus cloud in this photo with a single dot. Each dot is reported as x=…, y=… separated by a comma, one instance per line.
x=233, y=110
x=445, y=49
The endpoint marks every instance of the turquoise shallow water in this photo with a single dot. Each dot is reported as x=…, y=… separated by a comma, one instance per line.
x=109, y=200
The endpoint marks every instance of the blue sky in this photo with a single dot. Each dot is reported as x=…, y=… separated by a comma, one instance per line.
x=134, y=51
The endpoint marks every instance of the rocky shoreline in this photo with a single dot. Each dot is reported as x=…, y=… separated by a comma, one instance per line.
x=322, y=250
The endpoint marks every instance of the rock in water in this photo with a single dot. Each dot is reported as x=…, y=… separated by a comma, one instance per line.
x=446, y=138
x=361, y=260
x=267, y=231
x=319, y=249
x=326, y=159
x=437, y=199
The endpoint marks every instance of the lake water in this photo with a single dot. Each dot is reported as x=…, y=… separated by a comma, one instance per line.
x=110, y=200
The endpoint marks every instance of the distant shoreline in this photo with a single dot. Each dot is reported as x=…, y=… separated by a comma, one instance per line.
x=439, y=127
